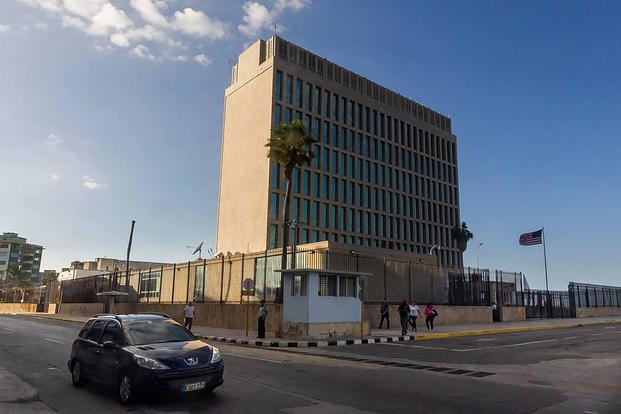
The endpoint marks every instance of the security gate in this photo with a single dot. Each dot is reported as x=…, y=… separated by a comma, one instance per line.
x=548, y=304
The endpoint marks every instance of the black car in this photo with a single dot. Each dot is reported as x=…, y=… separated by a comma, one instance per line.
x=142, y=353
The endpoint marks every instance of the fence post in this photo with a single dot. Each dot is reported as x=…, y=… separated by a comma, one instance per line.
x=385, y=290
x=241, y=293
x=595, y=293
x=187, y=287
x=149, y=291
x=204, y=275
x=221, y=278
x=159, y=295
x=139, y=284
x=410, y=281
x=578, y=295
x=265, y=275
x=172, y=295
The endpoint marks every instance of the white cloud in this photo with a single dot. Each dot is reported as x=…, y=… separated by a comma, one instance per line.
x=143, y=52
x=202, y=59
x=4, y=28
x=149, y=12
x=84, y=8
x=257, y=17
x=49, y=5
x=70, y=21
x=54, y=177
x=91, y=184
x=40, y=26
x=108, y=19
x=197, y=23
x=53, y=141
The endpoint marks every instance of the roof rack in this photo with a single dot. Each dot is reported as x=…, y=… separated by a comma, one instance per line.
x=154, y=313
x=117, y=317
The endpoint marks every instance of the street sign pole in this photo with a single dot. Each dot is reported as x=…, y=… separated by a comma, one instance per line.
x=247, y=289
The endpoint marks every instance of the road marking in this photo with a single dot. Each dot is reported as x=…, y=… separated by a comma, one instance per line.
x=597, y=334
x=506, y=346
x=257, y=358
x=53, y=340
x=417, y=346
x=10, y=329
x=571, y=337
x=608, y=327
x=485, y=340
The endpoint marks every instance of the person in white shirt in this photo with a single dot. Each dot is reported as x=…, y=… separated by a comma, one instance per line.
x=261, y=316
x=414, y=314
x=188, y=314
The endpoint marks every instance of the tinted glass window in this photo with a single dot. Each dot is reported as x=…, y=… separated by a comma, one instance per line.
x=155, y=331
x=112, y=332
x=95, y=332
x=85, y=328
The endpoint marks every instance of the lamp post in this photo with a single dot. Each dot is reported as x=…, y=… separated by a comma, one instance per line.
x=478, y=248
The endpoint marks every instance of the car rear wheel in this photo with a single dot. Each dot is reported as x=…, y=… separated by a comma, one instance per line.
x=76, y=374
x=126, y=389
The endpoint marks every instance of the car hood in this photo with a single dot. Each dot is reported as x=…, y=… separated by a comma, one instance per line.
x=177, y=355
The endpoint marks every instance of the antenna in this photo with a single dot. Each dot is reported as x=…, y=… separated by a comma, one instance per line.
x=198, y=250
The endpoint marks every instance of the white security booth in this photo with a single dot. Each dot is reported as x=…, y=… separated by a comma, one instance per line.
x=322, y=304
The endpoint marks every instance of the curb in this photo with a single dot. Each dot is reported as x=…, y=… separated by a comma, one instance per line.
x=307, y=344
x=425, y=337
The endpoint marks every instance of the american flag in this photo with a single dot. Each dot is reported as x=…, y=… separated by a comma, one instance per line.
x=530, y=239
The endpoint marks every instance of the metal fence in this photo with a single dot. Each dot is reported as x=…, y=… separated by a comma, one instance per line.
x=586, y=295
x=220, y=279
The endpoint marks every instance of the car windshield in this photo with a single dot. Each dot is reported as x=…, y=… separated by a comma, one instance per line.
x=142, y=332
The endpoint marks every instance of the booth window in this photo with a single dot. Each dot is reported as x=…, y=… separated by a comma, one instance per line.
x=347, y=286
x=327, y=285
x=299, y=285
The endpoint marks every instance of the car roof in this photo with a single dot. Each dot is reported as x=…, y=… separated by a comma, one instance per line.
x=131, y=316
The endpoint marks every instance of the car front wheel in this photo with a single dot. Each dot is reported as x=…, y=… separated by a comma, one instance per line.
x=126, y=389
x=76, y=374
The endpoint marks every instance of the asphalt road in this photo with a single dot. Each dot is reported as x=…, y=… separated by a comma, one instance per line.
x=491, y=374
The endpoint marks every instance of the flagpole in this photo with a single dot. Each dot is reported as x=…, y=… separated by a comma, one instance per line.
x=545, y=257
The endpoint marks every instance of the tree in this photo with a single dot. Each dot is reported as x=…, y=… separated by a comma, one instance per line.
x=290, y=147
x=461, y=234
x=16, y=276
x=48, y=276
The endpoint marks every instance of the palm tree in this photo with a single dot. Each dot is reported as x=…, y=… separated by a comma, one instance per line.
x=16, y=276
x=290, y=147
x=461, y=234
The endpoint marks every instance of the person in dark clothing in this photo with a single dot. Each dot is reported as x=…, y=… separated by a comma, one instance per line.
x=404, y=315
x=384, y=310
x=430, y=315
x=261, y=316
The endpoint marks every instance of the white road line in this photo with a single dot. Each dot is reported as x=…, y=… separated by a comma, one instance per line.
x=258, y=359
x=506, y=346
x=597, y=334
x=485, y=340
x=417, y=346
x=53, y=340
x=571, y=337
x=608, y=327
x=10, y=329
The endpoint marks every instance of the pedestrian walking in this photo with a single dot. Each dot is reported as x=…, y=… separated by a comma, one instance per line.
x=495, y=312
x=261, y=316
x=385, y=312
x=404, y=314
x=430, y=314
x=188, y=316
x=414, y=314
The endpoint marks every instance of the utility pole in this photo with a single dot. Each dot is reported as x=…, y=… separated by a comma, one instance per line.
x=129, y=249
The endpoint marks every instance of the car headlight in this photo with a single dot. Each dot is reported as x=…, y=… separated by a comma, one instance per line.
x=215, y=355
x=149, y=363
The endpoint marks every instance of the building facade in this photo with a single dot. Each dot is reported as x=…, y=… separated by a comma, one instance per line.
x=18, y=255
x=102, y=266
x=385, y=168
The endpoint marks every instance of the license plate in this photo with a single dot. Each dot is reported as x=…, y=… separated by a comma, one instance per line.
x=193, y=387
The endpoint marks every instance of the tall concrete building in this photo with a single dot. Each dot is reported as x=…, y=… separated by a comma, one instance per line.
x=385, y=167
x=16, y=253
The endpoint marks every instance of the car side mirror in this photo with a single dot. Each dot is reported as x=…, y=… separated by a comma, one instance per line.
x=109, y=345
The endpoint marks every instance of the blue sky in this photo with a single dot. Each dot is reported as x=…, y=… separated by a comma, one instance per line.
x=111, y=111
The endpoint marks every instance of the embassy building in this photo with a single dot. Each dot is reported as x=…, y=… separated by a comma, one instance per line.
x=384, y=174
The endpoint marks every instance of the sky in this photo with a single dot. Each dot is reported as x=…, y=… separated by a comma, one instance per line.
x=111, y=110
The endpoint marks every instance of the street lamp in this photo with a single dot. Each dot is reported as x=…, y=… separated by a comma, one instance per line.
x=478, y=248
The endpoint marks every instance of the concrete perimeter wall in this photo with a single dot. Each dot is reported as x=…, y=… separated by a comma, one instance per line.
x=80, y=309
x=447, y=315
x=513, y=313
x=596, y=312
x=18, y=307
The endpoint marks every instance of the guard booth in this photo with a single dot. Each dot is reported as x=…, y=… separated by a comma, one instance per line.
x=323, y=304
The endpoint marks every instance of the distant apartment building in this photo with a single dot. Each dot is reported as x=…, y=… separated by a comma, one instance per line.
x=384, y=173
x=102, y=265
x=16, y=254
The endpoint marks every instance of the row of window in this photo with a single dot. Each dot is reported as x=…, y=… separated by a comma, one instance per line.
x=333, y=72
x=331, y=187
x=350, y=114
x=313, y=212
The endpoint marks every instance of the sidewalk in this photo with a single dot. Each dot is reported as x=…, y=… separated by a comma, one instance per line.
x=237, y=336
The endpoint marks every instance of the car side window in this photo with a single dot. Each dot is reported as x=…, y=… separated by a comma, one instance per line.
x=85, y=328
x=95, y=332
x=112, y=332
